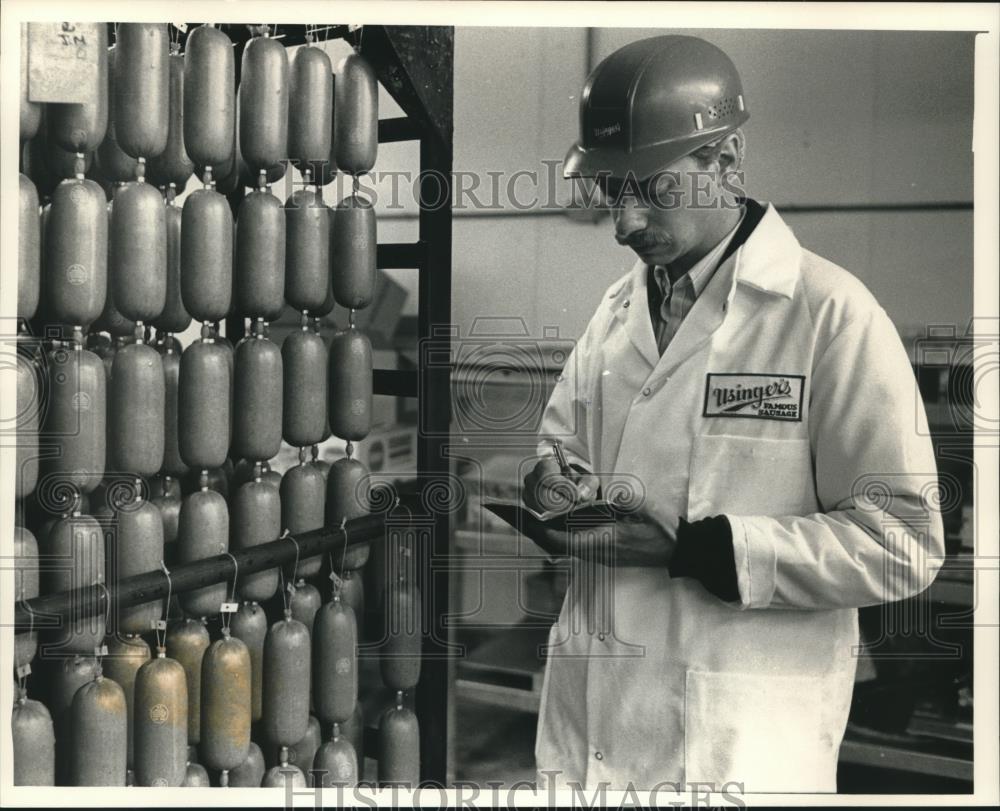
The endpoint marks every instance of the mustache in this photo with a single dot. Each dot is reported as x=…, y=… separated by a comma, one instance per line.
x=642, y=240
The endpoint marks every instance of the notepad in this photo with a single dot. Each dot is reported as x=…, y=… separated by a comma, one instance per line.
x=518, y=514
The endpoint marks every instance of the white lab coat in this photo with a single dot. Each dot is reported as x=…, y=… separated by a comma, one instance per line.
x=652, y=679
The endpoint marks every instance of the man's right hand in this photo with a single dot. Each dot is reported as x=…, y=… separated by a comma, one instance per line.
x=546, y=487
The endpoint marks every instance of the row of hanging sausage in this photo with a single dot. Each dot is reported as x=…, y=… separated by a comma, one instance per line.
x=99, y=416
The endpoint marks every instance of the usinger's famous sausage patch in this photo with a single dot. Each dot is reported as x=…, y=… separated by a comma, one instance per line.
x=760, y=396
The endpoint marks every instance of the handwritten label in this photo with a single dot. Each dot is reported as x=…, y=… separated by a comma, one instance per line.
x=63, y=62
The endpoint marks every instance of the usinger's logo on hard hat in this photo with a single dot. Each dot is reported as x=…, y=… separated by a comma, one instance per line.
x=604, y=132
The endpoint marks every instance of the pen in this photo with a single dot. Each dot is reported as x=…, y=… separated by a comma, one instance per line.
x=564, y=467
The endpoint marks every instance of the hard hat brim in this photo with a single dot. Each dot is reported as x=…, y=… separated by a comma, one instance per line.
x=641, y=164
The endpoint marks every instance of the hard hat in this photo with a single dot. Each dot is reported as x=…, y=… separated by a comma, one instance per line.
x=653, y=102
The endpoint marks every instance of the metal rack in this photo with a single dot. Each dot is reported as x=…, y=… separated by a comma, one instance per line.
x=415, y=64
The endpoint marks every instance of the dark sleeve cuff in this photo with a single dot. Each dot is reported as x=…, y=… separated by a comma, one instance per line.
x=705, y=552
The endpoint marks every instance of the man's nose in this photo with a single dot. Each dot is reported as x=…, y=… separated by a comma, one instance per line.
x=629, y=217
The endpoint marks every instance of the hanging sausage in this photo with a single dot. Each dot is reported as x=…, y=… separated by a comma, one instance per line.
x=310, y=110
x=171, y=169
x=142, y=86
x=99, y=734
x=34, y=742
x=285, y=684
x=126, y=654
x=187, y=642
x=29, y=249
x=209, y=98
x=226, y=703
x=249, y=625
x=161, y=719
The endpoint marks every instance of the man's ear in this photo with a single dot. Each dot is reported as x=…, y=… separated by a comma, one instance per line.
x=731, y=150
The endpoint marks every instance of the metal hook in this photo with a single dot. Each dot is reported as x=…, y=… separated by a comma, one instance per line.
x=295, y=568
x=24, y=670
x=161, y=626
x=107, y=602
x=232, y=597
x=343, y=555
x=236, y=572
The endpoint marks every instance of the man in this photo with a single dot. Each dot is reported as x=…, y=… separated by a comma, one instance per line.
x=762, y=403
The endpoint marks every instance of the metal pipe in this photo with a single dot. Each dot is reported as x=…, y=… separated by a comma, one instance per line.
x=434, y=707
x=391, y=130
x=396, y=382
x=44, y=612
x=409, y=255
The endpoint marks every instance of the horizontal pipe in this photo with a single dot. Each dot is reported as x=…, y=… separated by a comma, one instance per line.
x=391, y=130
x=395, y=382
x=43, y=612
x=582, y=215
x=400, y=255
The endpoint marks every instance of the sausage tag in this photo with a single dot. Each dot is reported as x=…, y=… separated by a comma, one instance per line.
x=158, y=625
x=62, y=62
x=229, y=608
x=101, y=650
x=23, y=671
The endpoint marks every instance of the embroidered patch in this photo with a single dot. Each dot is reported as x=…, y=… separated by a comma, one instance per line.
x=758, y=396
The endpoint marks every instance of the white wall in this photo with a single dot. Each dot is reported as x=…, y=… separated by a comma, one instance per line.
x=837, y=119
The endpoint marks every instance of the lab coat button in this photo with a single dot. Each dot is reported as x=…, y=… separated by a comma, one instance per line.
x=600, y=636
x=626, y=303
x=598, y=755
x=647, y=391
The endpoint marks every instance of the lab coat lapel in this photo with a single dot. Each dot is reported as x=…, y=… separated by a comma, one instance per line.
x=704, y=318
x=632, y=310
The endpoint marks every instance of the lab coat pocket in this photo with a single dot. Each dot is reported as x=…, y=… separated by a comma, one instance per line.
x=745, y=475
x=759, y=730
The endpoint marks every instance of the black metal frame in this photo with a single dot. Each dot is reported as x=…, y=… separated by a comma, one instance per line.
x=415, y=64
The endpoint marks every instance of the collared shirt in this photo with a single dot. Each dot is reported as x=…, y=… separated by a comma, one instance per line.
x=676, y=298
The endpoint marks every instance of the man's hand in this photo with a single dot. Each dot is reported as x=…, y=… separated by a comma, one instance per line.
x=640, y=538
x=546, y=488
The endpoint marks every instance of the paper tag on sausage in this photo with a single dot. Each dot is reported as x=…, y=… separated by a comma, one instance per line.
x=158, y=625
x=63, y=62
x=101, y=650
x=23, y=671
x=229, y=608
